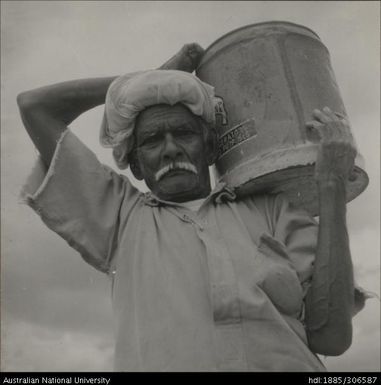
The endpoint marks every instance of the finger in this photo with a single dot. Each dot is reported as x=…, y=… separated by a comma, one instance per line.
x=316, y=130
x=186, y=59
x=320, y=116
x=193, y=50
x=330, y=113
x=337, y=128
x=194, y=47
x=340, y=115
x=313, y=124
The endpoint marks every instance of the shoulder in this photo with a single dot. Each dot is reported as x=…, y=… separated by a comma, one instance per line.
x=267, y=203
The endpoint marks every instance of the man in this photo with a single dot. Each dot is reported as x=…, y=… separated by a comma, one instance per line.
x=202, y=281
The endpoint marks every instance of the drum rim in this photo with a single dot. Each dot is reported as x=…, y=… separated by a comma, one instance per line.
x=274, y=22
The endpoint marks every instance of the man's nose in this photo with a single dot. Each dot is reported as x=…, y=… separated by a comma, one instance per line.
x=171, y=149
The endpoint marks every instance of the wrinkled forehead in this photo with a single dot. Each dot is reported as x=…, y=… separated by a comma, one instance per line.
x=162, y=115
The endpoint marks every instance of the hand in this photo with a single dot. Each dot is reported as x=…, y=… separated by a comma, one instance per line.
x=187, y=59
x=337, y=151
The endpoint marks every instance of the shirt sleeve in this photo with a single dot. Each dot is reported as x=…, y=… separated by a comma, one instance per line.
x=298, y=231
x=80, y=199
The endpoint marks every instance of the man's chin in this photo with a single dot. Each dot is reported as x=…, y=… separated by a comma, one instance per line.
x=178, y=189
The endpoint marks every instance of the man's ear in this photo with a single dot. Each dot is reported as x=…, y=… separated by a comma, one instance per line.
x=135, y=166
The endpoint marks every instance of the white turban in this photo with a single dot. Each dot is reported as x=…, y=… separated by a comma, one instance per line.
x=130, y=94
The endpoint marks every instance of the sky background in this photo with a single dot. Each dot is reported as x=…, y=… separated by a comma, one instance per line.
x=55, y=309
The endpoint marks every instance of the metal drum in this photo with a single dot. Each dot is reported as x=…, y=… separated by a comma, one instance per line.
x=271, y=76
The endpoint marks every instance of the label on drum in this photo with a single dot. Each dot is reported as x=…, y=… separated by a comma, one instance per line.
x=236, y=135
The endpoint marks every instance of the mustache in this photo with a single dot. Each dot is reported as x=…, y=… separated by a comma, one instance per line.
x=175, y=166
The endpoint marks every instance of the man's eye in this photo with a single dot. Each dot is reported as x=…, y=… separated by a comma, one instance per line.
x=151, y=140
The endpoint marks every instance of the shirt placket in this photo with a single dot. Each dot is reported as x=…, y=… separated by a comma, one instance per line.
x=229, y=336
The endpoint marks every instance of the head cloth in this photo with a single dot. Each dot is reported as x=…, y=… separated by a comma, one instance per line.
x=130, y=94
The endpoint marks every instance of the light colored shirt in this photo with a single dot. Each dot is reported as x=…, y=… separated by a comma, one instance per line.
x=194, y=205
x=217, y=289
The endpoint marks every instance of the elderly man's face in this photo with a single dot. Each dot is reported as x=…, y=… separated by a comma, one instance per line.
x=172, y=155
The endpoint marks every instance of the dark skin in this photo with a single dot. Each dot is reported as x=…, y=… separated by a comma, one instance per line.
x=47, y=111
x=169, y=134
x=329, y=321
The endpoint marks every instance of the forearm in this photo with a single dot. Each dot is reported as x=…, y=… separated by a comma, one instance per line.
x=47, y=111
x=329, y=302
x=66, y=101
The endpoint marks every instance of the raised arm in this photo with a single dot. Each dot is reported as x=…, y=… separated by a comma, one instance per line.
x=47, y=111
x=330, y=300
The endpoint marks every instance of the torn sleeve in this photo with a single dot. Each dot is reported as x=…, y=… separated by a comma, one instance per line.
x=80, y=199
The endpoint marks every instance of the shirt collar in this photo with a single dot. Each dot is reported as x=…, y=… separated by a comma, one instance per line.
x=221, y=193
